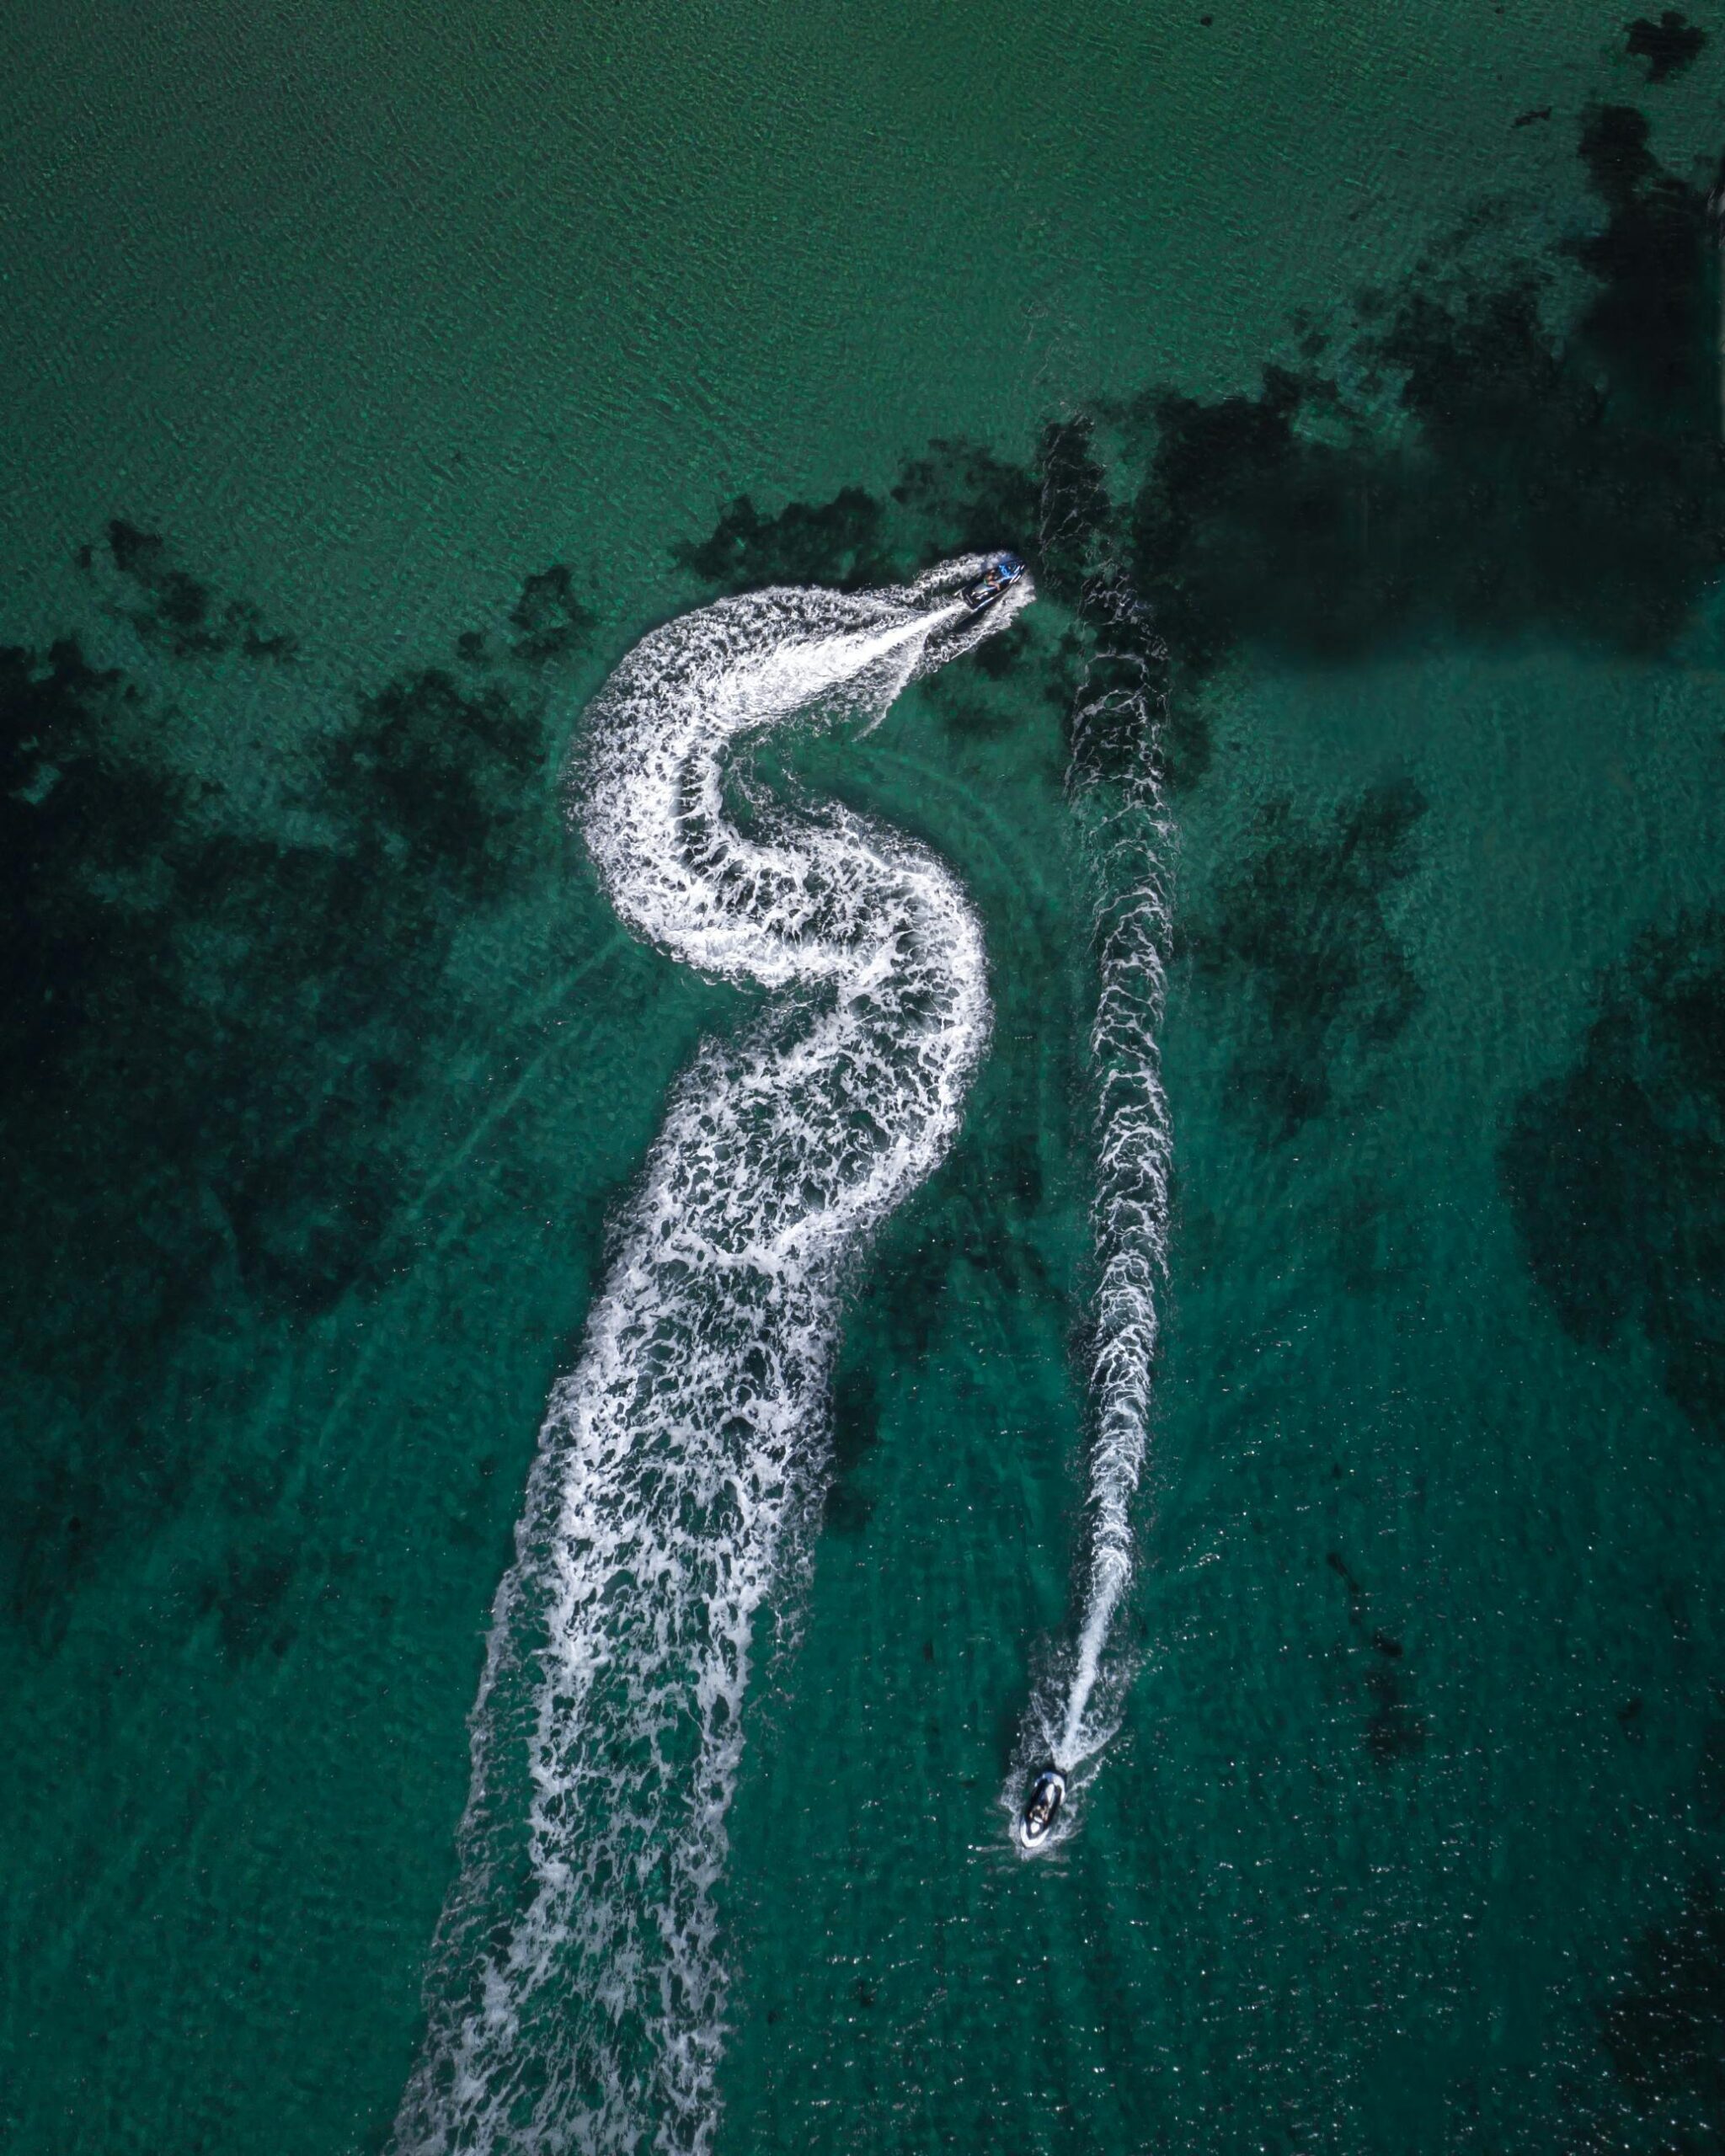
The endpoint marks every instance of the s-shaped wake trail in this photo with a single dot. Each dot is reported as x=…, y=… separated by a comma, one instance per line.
x=577, y=1984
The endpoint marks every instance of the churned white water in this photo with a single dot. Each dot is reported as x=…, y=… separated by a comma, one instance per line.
x=1127, y=839
x=578, y=1984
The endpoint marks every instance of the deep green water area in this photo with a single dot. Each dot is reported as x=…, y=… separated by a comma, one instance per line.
x=374, y=378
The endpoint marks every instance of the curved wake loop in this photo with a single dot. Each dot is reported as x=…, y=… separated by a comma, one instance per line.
x=576, y=1989
x=1115, y=785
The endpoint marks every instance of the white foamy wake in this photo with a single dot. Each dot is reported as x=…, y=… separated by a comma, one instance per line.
x=577, y=1987
x=1116, y=788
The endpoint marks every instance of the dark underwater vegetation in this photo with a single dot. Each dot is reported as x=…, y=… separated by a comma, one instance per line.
x=224, y=1030
x=1615, y=1171
x=1557, y=468
x=1669, y=46
x=1662, y=2029
x=213, y=1035
x=171, y=609
x=1300, y=928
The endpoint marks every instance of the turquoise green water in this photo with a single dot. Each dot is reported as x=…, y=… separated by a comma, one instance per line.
x=326, y=1060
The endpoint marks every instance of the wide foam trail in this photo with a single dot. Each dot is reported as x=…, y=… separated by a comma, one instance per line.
x=1115, y=785
x=577, y=1986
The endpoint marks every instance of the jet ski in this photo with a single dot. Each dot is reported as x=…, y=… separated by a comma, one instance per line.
x=1001, y=572
x=1042, y=1807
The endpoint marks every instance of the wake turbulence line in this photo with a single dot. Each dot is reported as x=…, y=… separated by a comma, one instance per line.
x=1115, y=784
x=576, y=1987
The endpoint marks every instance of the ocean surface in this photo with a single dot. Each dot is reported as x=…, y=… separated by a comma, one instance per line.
x=1349, y=377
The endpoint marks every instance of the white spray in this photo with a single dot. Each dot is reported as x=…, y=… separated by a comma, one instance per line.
x=1115, y=786
x=577, y=1984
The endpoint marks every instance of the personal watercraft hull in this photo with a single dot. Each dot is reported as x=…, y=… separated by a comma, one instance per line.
x=1000, y=575
x=1042, y=1807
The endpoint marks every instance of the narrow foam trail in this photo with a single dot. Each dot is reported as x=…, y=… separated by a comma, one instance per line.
x=1116, y=788
x=577, y=1984
x=1131, y=843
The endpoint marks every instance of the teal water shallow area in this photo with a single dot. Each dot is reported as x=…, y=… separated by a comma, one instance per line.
x=375, y=378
